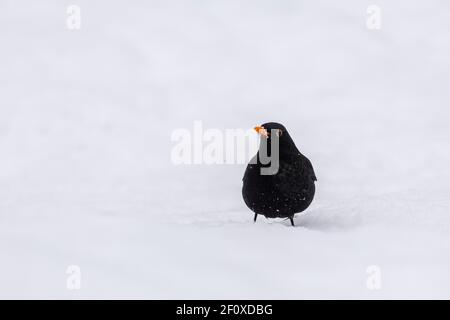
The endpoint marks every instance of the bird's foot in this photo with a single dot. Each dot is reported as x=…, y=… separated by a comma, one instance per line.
x=292, y=221
x=256, y=216
x=291, y=218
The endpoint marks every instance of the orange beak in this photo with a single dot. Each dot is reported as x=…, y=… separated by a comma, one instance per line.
x=262, y=131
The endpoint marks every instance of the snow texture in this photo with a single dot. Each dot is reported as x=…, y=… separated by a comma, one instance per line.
x=86, y=176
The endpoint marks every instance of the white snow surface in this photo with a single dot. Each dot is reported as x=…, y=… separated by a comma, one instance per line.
x=86, y=177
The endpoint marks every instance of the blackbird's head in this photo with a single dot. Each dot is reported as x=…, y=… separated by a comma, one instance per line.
x=273, y=130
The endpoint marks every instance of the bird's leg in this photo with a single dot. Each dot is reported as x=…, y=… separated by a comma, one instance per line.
x=292, y=220
x=256, y=216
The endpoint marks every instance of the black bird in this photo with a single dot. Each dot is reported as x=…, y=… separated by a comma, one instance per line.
x=287, y=189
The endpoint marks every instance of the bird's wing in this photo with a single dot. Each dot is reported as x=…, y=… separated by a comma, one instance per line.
x=295, y=176
x=308, y=164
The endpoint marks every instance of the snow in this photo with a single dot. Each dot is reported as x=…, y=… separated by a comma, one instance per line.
x=86, y=177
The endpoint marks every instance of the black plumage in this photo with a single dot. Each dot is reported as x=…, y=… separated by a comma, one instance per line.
x=287, y=192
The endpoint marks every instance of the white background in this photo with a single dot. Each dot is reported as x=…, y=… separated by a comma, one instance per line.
x=85, y=171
